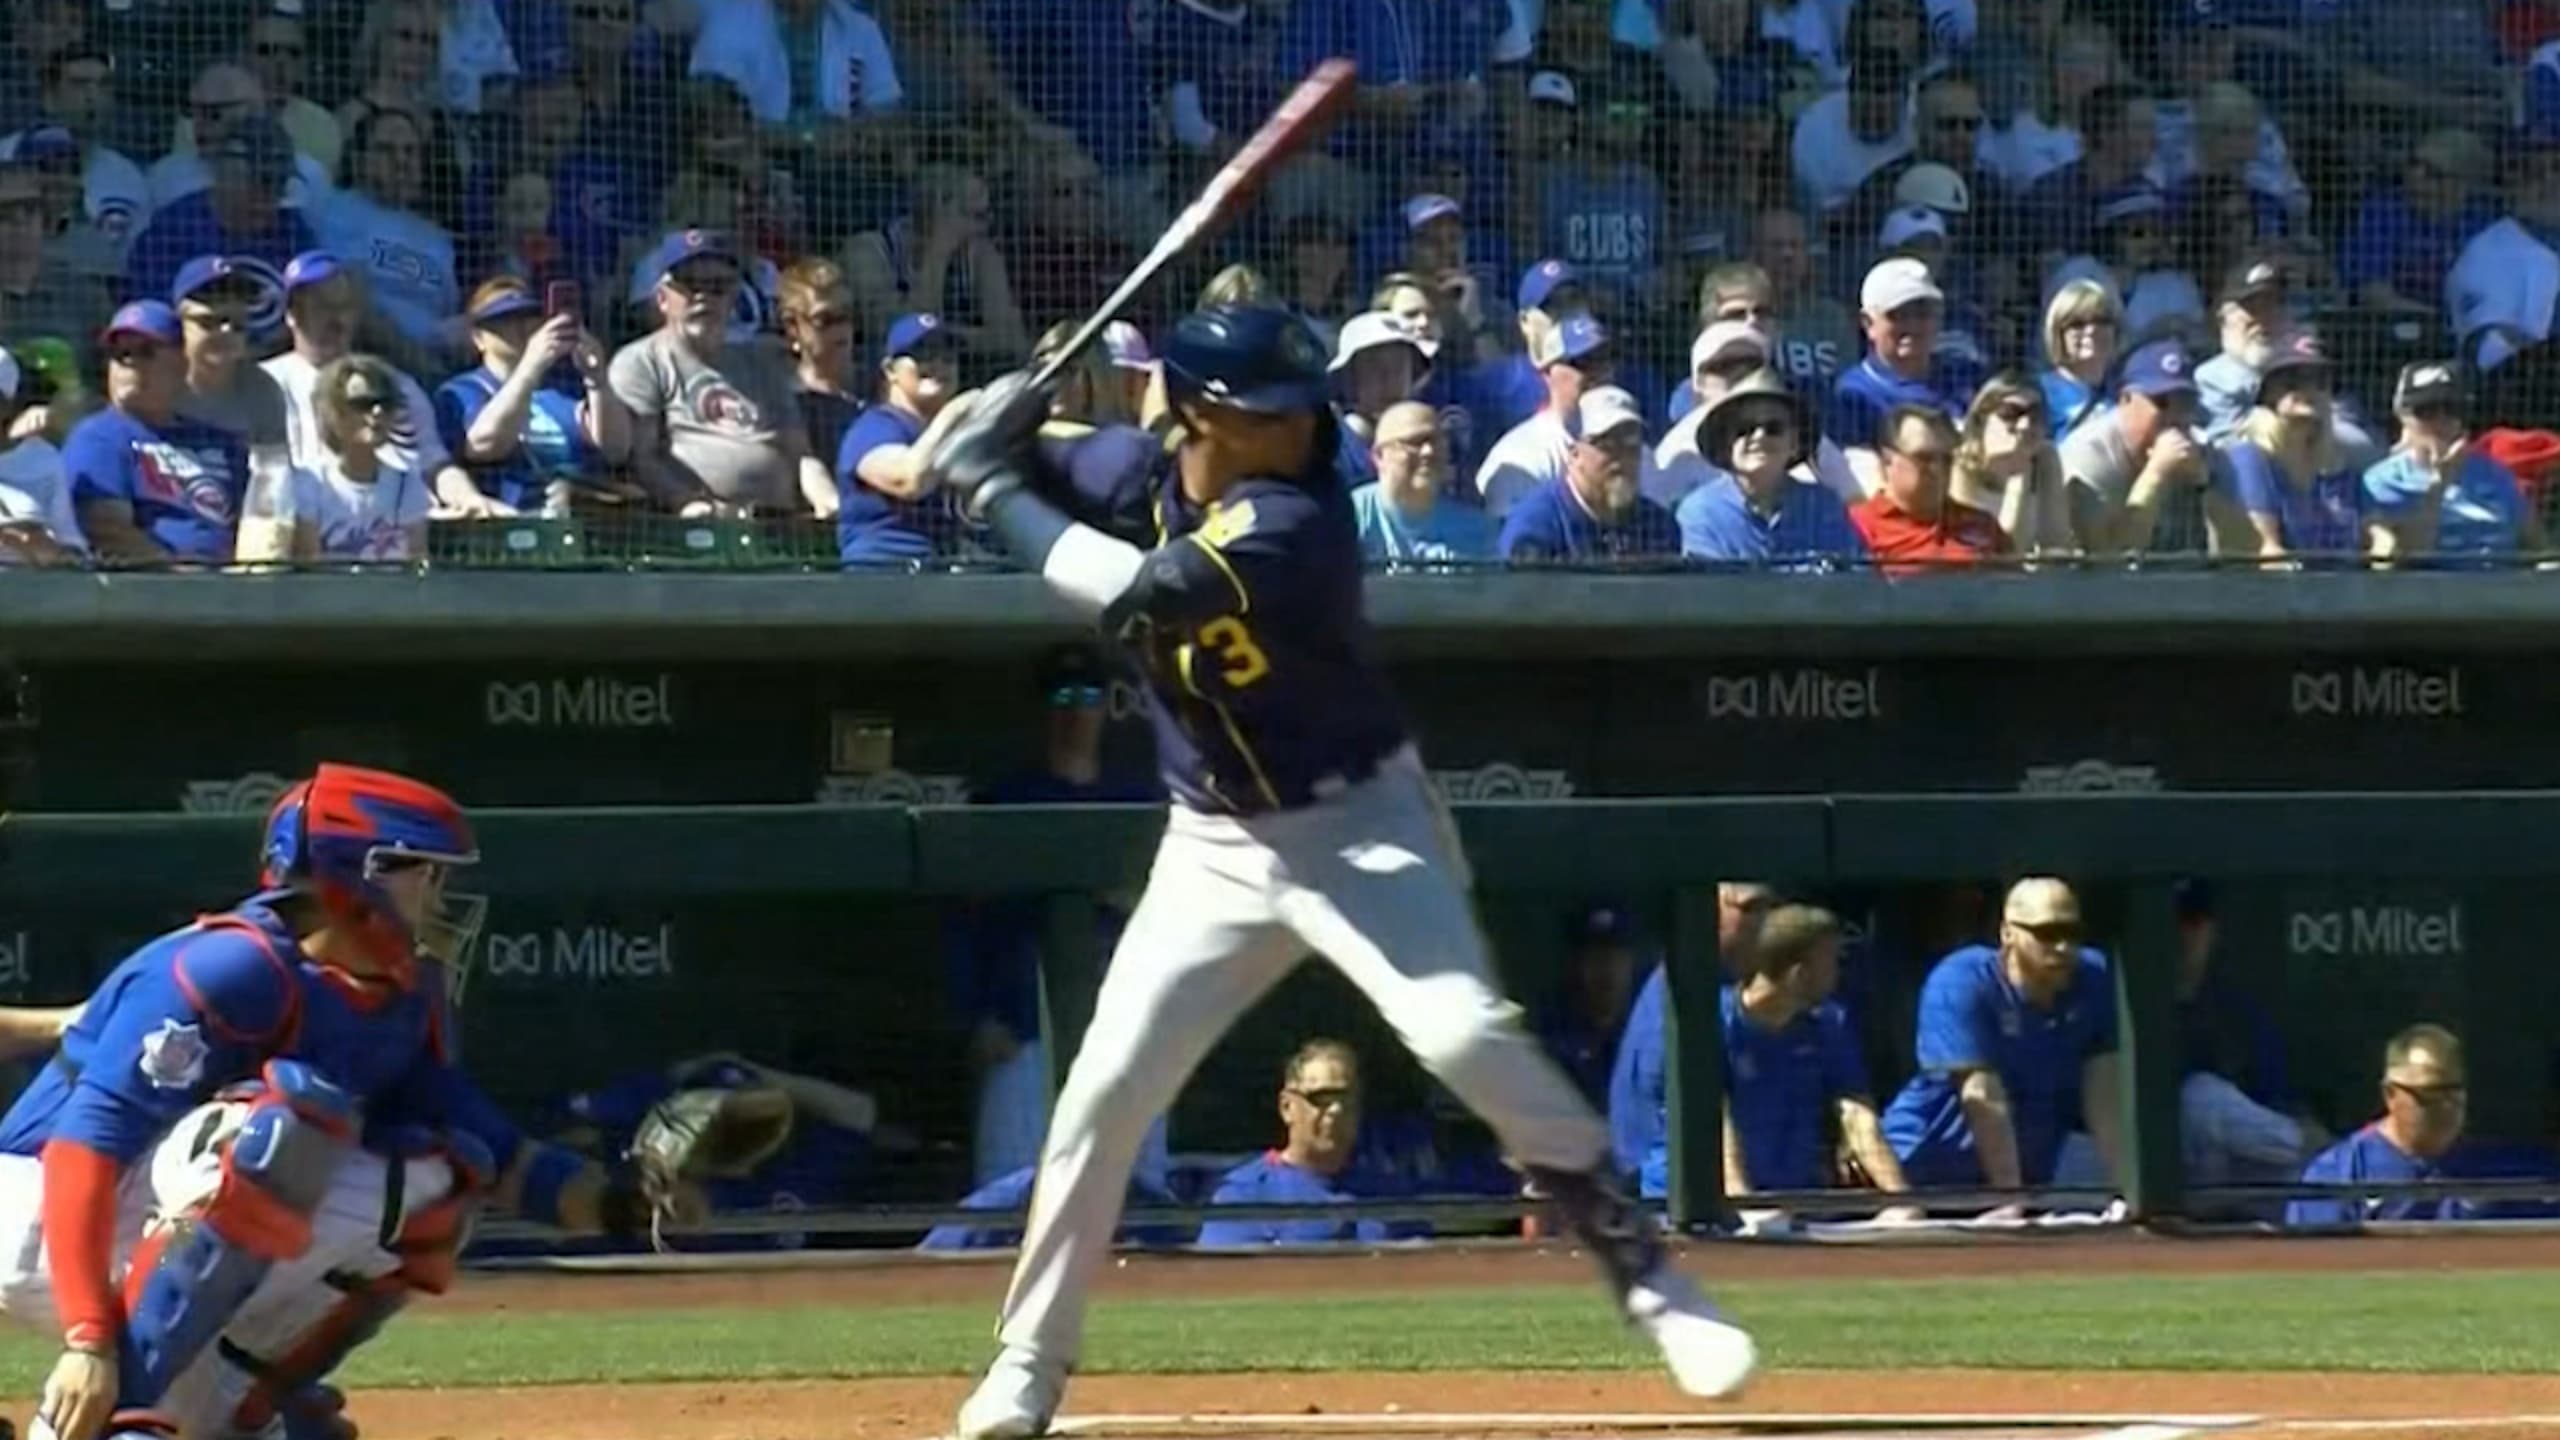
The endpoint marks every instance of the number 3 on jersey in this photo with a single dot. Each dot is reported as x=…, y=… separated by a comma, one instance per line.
x=1240, y=661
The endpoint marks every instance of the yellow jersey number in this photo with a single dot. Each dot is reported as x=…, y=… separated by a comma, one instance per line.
x=1240, y=661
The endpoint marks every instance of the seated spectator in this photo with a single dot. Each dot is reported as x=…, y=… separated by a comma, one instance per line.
x=1406, y=516
x=1320, y=1113
x=79, y=100
x=2196, y=56
x=2016, y=1044
x=1754, y=510
x=804, y=64
x=1510, y=387
x=1946, y=121
x=1726, y=353
x=399, y=66
x=1728, y=141
x=1902, y=309
x=1378, y=361
x=2140, y=479
x=38, y=525
x=2046, y=134
x=74, y=244
x=1911, y=522
x=2439, y=494
x=2406, y=238
x=406, y=259
x=823, y=333
x=536, y=421
x=2255, y=311
x=1600, y=206
x=1434, y=275
x=225, y=388
x=1579, y=1029
x=885, y=505
x=2083, y=326
x=714, y=425
x=1572, y=355
x=1314, y=275
x=1067, y=242
x=241, y=214
x=2500, y=296
x=938, y=260
x=224, y=99
x=41, y=299
x=751, y=307
x=2399, y=65
x=1596, y=511
x=2426, y=1099
x=2225, y=198
x=1212, y=78
x=324, y=306
x=2132, y=252
x=1850, y=133
x=352, y=508
x=2119, y=138
x=2232, y=1099
x=278, y=52
x=2287, y=471
x=149, y=487
x=2007, y=467
x=1813, y=337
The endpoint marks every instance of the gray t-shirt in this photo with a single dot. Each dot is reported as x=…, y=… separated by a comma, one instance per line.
x=2097, y=456
x=732, y=425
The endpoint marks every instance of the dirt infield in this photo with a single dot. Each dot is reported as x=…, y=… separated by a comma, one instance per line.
x=2307, y=1406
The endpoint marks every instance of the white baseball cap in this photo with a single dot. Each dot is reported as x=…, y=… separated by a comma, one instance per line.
x=1553, y=87
x=1371, y=329
x=1127, y=346
x=1727, y=337
x=1604, y=409
x=1895, y=283
x=1911, y=222
x=1421, y=210
x=1935, y=186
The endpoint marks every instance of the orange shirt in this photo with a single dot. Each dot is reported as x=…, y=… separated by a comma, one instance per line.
x=1901, y=542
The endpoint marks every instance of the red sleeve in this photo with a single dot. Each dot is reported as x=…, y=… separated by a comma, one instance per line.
x=79, y=1233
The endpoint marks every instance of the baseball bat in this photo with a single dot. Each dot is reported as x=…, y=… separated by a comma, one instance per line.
x=1307, y=113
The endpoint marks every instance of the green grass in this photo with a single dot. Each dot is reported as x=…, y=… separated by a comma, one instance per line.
x=2421, y=1322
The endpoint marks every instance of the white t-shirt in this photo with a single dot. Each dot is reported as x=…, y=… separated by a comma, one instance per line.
x=742, y=40
x=1527, y=456
x=415, y=446
x=1831, y=160
x=2506, y=276
x=357, y=521
x=33, y=490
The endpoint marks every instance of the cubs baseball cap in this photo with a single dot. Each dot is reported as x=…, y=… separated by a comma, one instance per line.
x=682, y=246
x=1575, y=337
x=151, y=319
x=202, y=274
x=2298, y=351
x=2159, y=369
x=2126, y=202
x=1935, y=186
x=1910, y=223
x=2252, y=280
x=1127, y=346
x=1421, y=210
x=311, y=267
x=1605, y=410
x=1725, y=339
x=1895, y=283
x=1543, y=280
x=1553, y=87
x=42, y=145
x=2427, y=383
x=1374, y=329
x=915, y=335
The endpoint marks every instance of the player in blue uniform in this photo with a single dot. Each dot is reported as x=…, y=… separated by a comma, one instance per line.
x=2426, y=1098
x=1302, y=820
x=281, y=1075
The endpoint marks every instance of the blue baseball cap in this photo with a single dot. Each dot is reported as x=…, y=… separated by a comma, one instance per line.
x=202, y=274
x=683, y=246
x=2160, y=369
x=311, y=267
x=1544, y=279
x=513, y=300
x=914, y=335
x=151, y=319
x=42, y=143
x=1577, y=335
x=2140, y=197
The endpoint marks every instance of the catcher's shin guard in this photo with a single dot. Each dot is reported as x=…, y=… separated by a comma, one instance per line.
x=192, y=1275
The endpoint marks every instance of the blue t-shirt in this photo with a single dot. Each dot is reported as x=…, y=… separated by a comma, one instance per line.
x=872, y=528
x=185, y=480
x=1453, y=530
x=185, y=228
x=406, y=261
x=1609, y=224
x=1549, y=526
x=1417, y=42
x=2367, y=1155
x=1272, y=1180
x=2391, y=241
x=1780, y=1084
x=1810, y=525
x=2069, y=401
x=1868, y=390
x=2481, y=514
x=1972, y=1018
x=1639, y=1122
x=2324, y=518
x=551, y=443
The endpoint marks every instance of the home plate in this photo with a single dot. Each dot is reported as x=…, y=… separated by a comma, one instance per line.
x=1398, y=1425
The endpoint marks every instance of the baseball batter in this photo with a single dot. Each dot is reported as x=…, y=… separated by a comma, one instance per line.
x=1302, y=820
x=254, y=1145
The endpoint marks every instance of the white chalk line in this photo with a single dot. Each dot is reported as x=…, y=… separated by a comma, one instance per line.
x=2441, y=1422
x=1864, y=1426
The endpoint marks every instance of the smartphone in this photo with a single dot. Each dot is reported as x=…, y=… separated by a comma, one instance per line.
x=561, y=297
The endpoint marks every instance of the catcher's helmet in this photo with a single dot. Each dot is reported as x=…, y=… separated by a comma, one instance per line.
x=1251, y=357
x=335, y=835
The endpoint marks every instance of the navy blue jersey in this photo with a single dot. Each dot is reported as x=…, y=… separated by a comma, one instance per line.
x=205, y=1007
x=1255, y=646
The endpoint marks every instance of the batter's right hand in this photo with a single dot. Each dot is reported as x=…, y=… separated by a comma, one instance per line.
x=79, y=1395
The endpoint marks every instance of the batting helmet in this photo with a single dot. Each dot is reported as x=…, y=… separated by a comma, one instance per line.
x=336, y=835
x=1251, y=357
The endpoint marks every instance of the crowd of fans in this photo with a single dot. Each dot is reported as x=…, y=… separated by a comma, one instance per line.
x=1804, y=283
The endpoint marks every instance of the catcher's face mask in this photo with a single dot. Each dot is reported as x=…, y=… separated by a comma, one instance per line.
x=449, y=938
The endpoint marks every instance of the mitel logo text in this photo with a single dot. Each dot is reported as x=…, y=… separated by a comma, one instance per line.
x=2383, y=692
x=594, y=953
x=1804, y=693
x=2377, y=930
x=589, y=702
x=17, y=959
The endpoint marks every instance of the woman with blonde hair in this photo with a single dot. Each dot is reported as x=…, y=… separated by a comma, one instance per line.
x=2287, y=472
x=2083, y=329
x=821, y=330
x=1238, y=284
x=2006, y=466
x=353, y=505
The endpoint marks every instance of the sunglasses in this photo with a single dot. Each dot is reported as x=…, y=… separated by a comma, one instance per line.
x=1075, y=697
x=1780, y=426
x=700, y=283
x=211, y=319
x=2049, y=932
x=829, y=319
x=2015, y=416
x=2446, y=1094
x=1327, y=1099
x=1957, y=122
x=371, y=404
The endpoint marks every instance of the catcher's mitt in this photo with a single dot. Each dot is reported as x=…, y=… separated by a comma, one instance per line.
x=696, y=1135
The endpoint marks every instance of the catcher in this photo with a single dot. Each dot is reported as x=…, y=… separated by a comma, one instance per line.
x=254, y=1145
